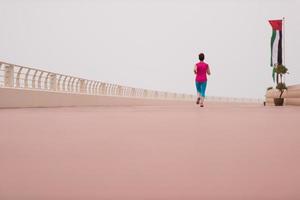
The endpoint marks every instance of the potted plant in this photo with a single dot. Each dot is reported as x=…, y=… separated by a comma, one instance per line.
x=280, y=71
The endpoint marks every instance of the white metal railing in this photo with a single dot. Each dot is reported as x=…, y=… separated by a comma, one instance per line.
x=16, y=76
x=234, y=99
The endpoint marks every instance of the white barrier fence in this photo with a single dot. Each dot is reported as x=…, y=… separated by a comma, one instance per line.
x=233, y=100
x=16, y=76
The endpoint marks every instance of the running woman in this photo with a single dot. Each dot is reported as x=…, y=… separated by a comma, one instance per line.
x=201, y=70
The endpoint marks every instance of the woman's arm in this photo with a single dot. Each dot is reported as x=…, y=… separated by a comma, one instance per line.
x=195, y=69
x=208, y=70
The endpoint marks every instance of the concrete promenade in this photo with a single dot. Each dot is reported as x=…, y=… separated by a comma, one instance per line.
x=161, y=152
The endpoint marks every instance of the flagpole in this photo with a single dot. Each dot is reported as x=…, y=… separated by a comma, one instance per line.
x=283, y=24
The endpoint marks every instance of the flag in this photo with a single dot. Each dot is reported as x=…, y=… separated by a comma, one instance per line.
x=276, y=42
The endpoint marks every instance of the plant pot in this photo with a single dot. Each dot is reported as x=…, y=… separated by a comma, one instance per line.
x=278, y=101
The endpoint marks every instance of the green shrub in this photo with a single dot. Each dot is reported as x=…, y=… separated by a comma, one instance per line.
x=281, y=69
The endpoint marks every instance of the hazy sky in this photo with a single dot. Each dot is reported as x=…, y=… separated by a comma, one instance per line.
x=152, y=43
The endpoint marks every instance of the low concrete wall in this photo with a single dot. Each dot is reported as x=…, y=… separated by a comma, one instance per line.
x=291, y=96
x=20, y=98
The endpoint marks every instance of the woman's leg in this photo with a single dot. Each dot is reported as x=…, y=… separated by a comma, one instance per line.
x=198, y=88
x=203, y=89
x=198, y=98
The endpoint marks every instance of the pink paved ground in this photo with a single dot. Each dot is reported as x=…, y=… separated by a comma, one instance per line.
x=220, y=152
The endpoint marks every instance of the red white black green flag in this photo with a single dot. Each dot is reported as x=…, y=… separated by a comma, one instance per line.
x=276, y=42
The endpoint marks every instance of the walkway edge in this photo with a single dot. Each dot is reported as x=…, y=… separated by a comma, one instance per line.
x=26, y=98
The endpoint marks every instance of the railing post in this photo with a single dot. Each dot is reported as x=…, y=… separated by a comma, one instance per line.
x=69, y=84
x=53, y=82
x=18, y=77
x=88, y=85
x=26, y=78
x=97, y=88
x=33, y=79
x=93, y=88
x=108, y=89
x=46, y=81
x=81, y=86
x=101, y=88
x=72, y=85
x=77, y=85
x=40, y=80
x=104, y=88
x=58, y=87
x=64, y=83
x=119, y=90
x=9, y=76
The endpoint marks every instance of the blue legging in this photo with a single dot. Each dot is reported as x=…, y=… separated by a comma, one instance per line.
x=201, y=87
